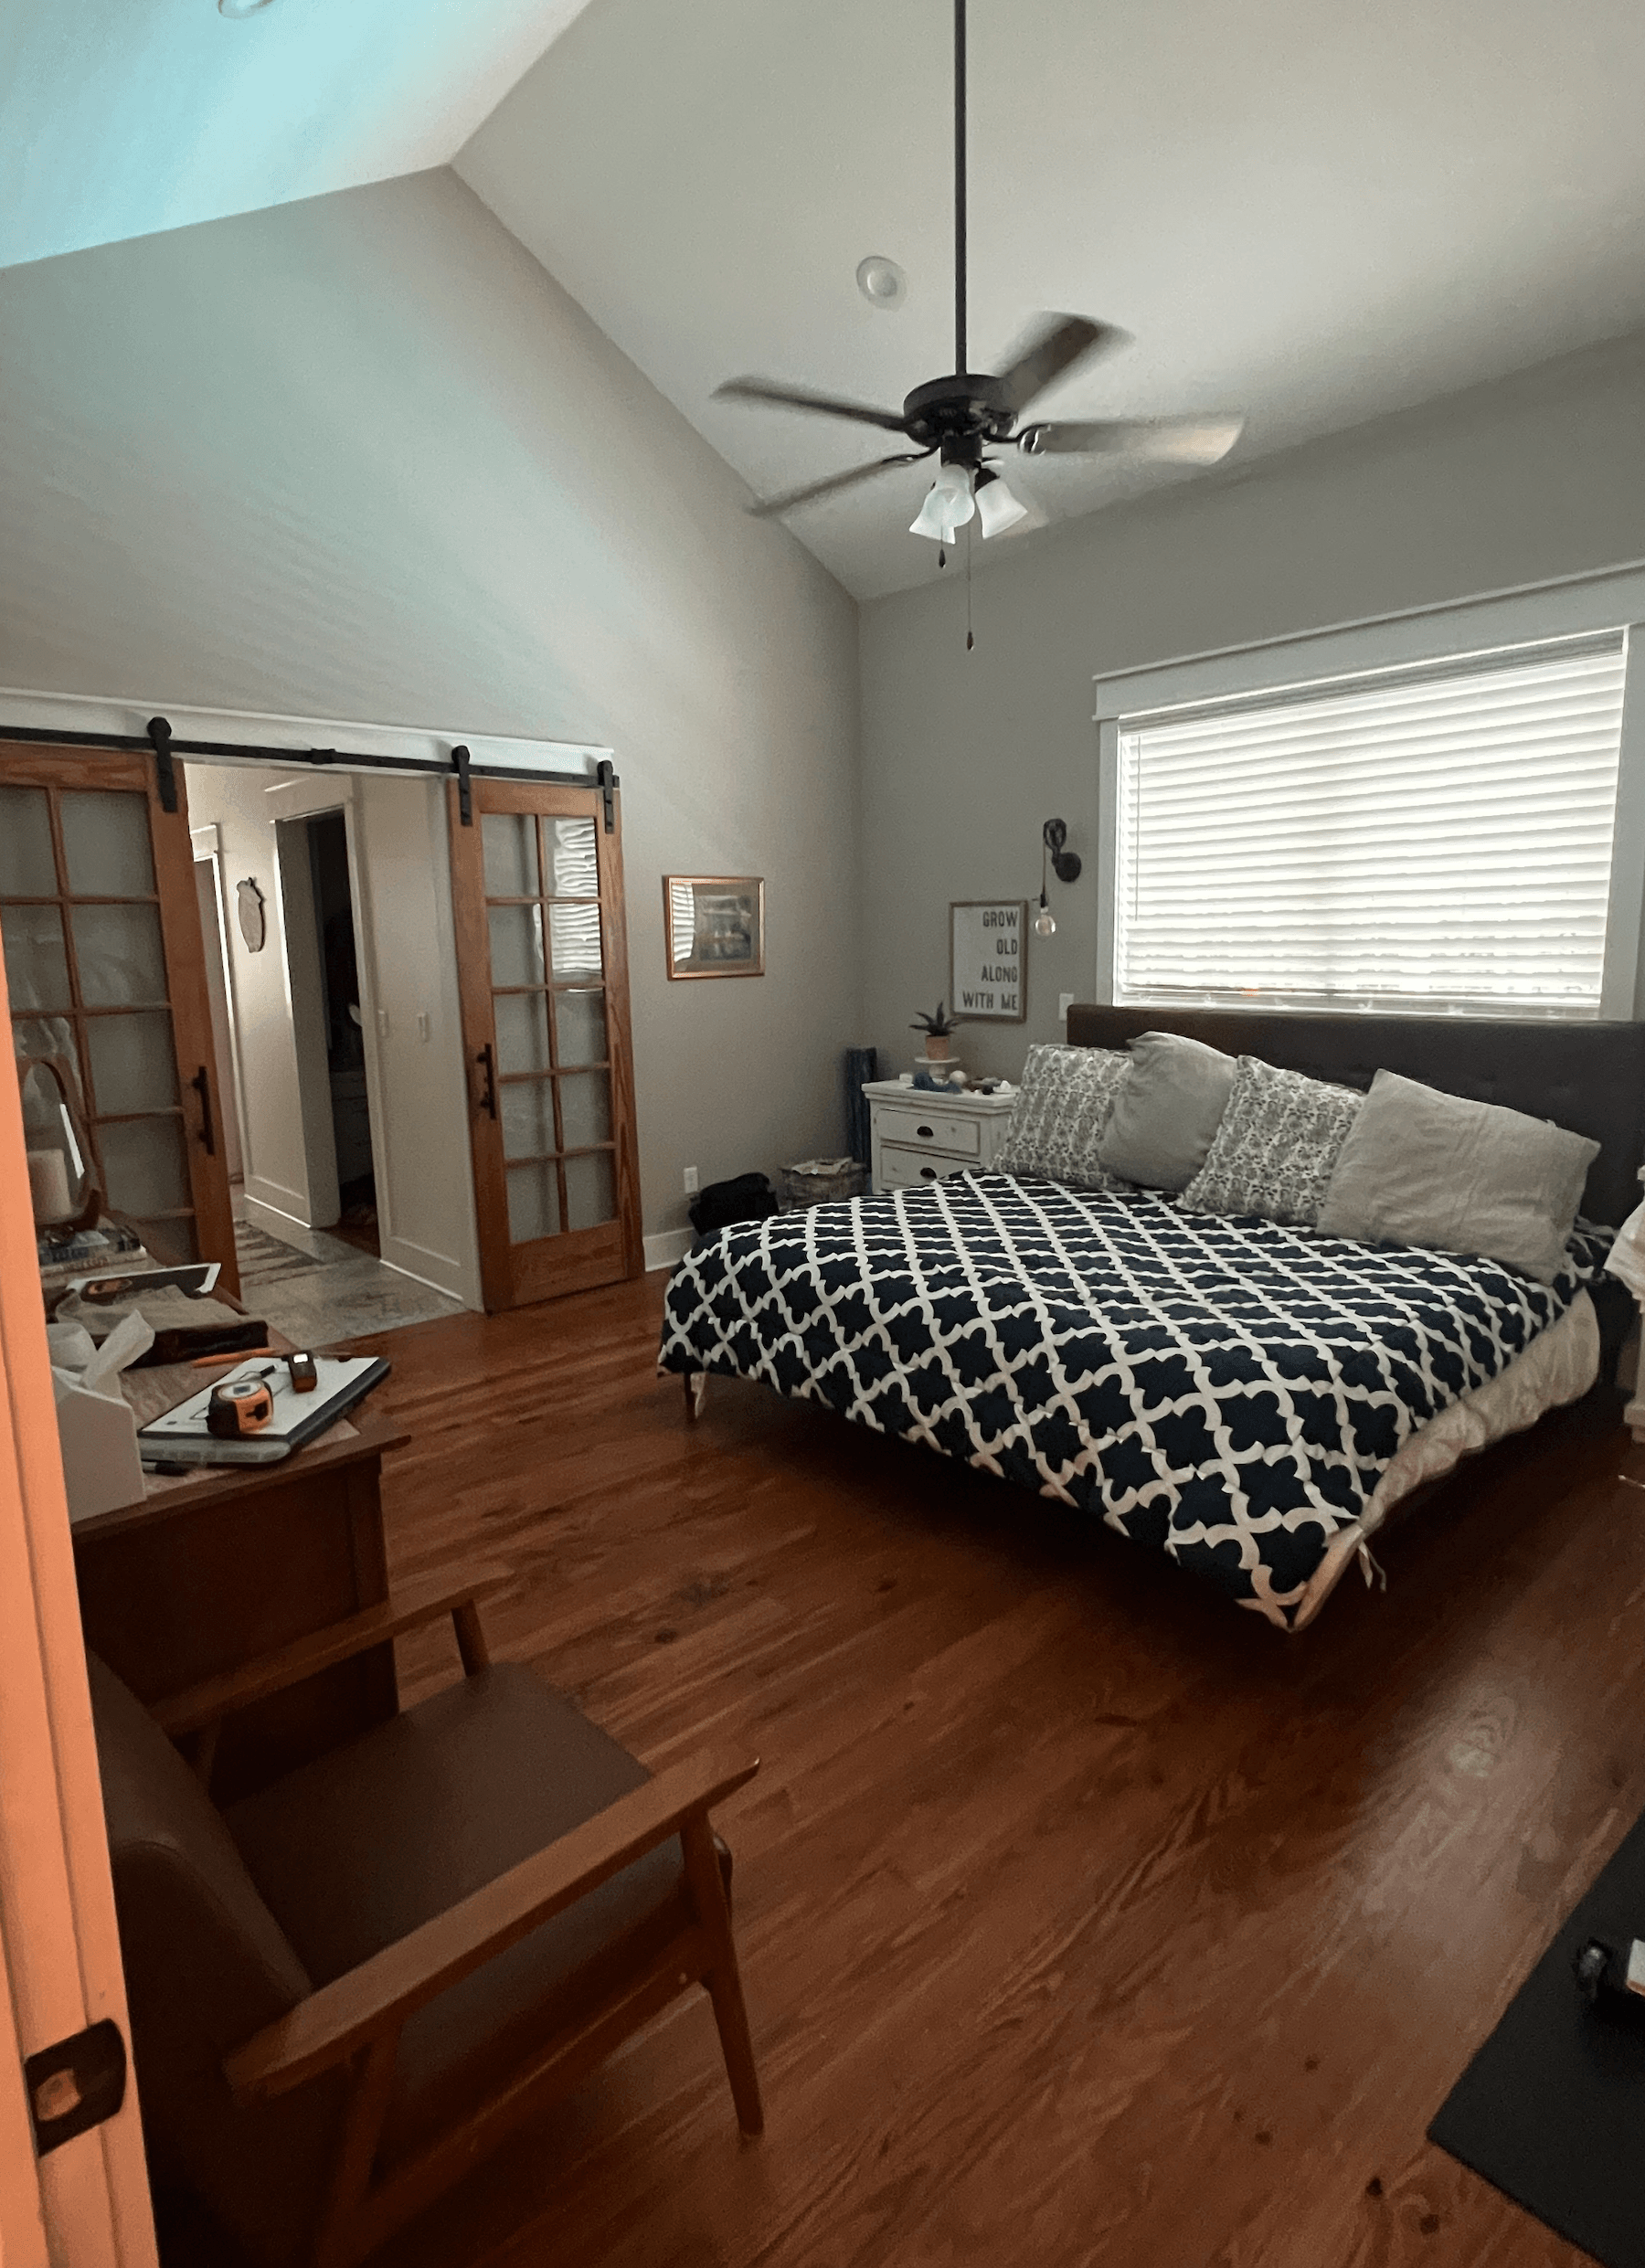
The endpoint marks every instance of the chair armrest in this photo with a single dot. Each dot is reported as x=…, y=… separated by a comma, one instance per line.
x=334, y=2024
x=415, y=1603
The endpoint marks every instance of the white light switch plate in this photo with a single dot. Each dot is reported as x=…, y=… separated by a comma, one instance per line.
x=690, y=1180
x=1065, y=1001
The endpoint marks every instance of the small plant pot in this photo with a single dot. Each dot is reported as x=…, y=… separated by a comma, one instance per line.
x=937, y=1046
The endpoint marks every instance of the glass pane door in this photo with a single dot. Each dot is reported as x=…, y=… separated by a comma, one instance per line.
x=537, y=880
x=98, y=980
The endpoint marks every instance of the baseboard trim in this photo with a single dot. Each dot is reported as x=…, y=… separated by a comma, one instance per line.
x=667, y=1246
x=447, y=1290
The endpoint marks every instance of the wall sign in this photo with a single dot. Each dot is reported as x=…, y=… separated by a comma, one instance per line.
x=988, y=946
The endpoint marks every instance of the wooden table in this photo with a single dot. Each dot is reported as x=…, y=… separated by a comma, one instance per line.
x=224, y=1562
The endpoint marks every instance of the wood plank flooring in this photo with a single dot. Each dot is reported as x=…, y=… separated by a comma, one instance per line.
x=1084, y=1919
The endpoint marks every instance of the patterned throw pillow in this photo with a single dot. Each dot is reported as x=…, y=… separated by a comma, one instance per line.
x=1066, y=1096
x=1276, y=1149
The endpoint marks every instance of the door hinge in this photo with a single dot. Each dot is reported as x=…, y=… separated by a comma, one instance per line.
x=465, y=793
x=160, y=733
x=605, y=776
x=75, y=2084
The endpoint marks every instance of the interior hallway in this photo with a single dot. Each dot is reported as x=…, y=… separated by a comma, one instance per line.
x=318, y=1289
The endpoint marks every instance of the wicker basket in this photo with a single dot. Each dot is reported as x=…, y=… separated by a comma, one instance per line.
x=819, y=1180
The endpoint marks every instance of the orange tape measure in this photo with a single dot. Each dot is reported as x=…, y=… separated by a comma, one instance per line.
x=243, y=1407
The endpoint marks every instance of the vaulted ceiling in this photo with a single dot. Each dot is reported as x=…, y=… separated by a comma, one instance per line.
x=1310, y=210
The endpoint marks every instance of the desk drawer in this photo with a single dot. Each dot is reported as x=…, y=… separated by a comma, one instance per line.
x=934, y=1129
x=912, y=1169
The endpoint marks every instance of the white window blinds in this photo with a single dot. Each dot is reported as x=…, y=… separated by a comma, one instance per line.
x=1435, y=837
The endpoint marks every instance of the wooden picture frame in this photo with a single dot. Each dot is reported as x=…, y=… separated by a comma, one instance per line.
x=714, y=925
x=988, y=946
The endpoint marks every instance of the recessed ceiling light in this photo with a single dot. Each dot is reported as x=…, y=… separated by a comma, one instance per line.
x=237, y=9
x=880, y=281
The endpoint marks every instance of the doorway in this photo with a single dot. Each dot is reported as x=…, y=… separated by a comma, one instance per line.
x=345, y=1034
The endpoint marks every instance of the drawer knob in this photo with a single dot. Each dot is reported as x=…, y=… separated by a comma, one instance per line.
x=926, y=1133
x=928, y=1173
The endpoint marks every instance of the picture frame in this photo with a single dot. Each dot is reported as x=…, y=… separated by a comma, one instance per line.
x=714, y=925
x=988, y=959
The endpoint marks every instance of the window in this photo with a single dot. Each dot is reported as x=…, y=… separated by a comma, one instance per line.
x=1437, y=835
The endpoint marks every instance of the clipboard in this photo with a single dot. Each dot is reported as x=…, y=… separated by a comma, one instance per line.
x=180, y=1437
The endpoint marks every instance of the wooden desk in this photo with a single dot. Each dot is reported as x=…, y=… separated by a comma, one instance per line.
x=228, y=1562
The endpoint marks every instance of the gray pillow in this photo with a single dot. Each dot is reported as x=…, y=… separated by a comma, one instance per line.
x=1064, y=1104
x=1275, y=1150
x=1423, y=1168
x=1167, y=1112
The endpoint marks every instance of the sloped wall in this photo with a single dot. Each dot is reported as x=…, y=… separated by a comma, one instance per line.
x=362, y=457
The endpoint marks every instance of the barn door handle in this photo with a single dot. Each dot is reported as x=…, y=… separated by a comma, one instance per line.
x=488, y=1101
x=201, y=1085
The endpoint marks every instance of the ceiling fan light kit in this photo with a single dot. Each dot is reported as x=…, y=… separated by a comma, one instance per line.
x=961, y=418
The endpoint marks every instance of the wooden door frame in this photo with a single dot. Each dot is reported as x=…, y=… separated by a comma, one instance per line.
x=88, y=2201
x=621, y=1254
x=29, y=763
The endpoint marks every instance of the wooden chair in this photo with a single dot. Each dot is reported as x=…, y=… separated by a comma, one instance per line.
x=347, y=1988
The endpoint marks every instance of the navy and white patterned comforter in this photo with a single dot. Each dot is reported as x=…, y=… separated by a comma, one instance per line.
x=1227, y=1391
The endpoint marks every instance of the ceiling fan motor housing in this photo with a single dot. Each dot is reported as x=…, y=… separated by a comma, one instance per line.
x=958, y=415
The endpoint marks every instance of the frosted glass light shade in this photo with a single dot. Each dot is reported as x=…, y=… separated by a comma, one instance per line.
x=997, y=508
x=949, y=504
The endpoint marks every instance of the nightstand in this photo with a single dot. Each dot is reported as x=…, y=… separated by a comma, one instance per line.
x=919, y=1137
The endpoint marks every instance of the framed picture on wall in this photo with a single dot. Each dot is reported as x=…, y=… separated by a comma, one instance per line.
x=988, y=947
x=714, y=925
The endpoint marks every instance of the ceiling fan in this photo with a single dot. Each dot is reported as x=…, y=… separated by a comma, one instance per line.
x=959, y=418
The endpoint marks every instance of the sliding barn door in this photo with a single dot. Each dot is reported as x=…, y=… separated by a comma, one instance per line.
x=107, y=971
x=537, y=890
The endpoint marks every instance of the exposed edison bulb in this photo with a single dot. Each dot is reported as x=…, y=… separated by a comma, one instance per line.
x=1045, y=921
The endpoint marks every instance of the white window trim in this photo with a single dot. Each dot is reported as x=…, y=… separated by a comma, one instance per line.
x=1612, y=600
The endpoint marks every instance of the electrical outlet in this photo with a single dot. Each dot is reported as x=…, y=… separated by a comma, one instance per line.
x=690, y=1179
x=1065, y=1001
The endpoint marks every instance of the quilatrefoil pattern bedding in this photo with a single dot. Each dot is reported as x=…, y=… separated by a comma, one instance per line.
x=1229, y=1391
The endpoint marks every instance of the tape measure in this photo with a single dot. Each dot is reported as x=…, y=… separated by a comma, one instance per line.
x=243, y=1407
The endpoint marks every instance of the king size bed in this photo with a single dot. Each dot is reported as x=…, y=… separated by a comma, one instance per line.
x=1250, y=1395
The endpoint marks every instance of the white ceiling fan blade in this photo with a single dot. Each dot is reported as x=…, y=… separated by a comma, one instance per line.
x=1155, y=440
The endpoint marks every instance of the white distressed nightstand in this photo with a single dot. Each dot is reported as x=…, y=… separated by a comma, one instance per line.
x=919, y=1137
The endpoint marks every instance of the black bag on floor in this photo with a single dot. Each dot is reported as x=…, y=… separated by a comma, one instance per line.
x=747, y=1197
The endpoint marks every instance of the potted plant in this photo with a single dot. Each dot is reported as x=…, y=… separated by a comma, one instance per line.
x=936, y=1027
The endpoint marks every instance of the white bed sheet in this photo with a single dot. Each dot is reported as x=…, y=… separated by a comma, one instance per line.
x=1558, y=1367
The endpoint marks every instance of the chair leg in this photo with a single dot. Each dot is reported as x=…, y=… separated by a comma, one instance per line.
x=724, y=1980
x=695, y=1384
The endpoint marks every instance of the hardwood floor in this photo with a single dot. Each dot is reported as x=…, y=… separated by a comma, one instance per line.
x=1084, y=1919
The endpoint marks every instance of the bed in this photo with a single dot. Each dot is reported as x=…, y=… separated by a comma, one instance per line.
x=1251, y=1399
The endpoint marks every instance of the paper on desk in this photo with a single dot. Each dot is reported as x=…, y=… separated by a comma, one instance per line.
x=130, y=1339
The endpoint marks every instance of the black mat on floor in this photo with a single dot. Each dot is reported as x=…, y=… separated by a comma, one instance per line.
x=1552, y=2109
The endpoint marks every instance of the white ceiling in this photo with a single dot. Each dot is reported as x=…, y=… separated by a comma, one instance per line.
x=122, y=117
x=1312, y=209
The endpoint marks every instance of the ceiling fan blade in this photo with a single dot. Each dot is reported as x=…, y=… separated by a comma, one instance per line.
x=771, y=507
x=1053, y=346
x=802, y=398
x=1156, y=440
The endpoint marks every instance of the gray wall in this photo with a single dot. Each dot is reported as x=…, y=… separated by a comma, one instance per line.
x=964, y=755
x=361, y=457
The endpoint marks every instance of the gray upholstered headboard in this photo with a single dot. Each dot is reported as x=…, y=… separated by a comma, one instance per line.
x=1587, y=1076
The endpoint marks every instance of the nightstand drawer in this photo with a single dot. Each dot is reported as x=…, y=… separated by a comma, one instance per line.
x=912, y=1169
x=935, y=1130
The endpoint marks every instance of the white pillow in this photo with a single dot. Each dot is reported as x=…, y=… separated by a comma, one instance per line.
x=1423, y=1168
x=1065, y=1102
x=1276, y=1146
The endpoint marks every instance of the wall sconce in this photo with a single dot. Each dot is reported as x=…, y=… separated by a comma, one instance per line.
x=1064, y=864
